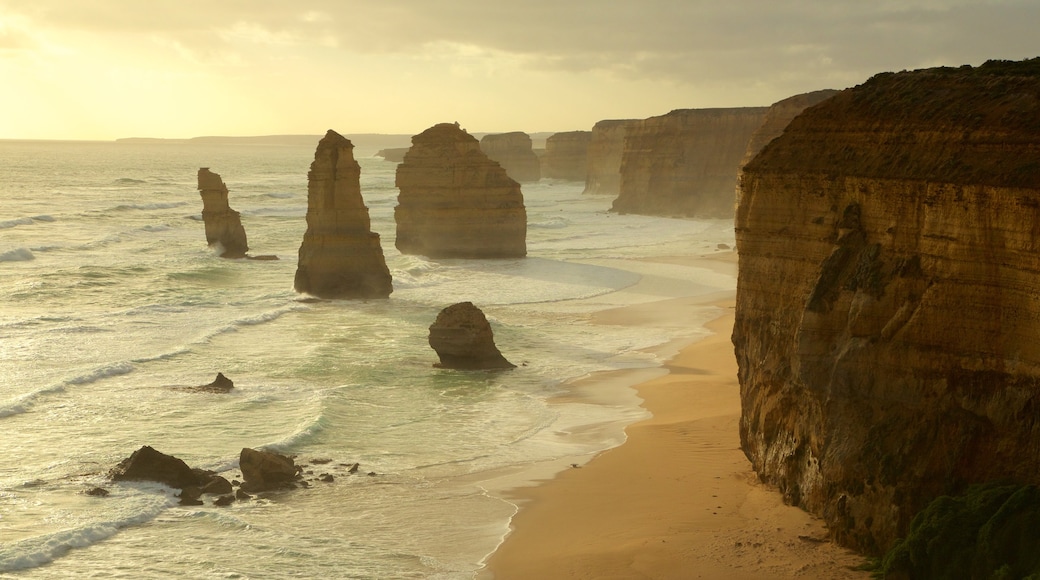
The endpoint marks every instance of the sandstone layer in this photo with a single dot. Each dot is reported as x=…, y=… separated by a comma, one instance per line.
x=514, y=153
x=463, y=339
x=223, y=225
x=888, y=298
x=603, y=160
x=454, y=202
x=566, y=155
x=340, y=256
x=685, y=163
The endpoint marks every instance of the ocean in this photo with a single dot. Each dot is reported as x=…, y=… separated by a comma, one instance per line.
x=111, y=304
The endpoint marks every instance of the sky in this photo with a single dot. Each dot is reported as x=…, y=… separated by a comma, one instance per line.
x=105, y=69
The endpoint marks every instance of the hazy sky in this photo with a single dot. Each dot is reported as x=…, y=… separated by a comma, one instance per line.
x=102, y=69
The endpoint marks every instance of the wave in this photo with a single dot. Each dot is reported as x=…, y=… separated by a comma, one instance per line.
x=553, y=223
x=43, y=549
x=129, y=181
x=149, y=206
x=280, y=195
x=24, y=402
x=43, y=218
x=305, y=431
x=7, y=224
x=17, y=255
x=158, y=228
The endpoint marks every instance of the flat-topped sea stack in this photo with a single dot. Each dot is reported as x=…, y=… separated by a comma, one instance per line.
x=566, y=155
x=463, y=339
x=340, y=256
x=603, y=163
x=685, y=163
x=224, y=229
x=888, y=298
x=514, y=153
x=455, y=202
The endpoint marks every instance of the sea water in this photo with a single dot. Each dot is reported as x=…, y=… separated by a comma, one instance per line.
x=111, y=304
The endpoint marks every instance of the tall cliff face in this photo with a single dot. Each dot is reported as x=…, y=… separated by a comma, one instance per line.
x=514, y=153
x=888, y=298
x=223, y=224
x=685, y=163
x=340, y=256
x=603, y=163
x=454, y=202
x=566, y=155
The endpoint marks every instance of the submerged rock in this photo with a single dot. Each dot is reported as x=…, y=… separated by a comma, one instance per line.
x=454, y=202
x=221, y=384
x=340, y=256
x=463, y=339
x=223, y=224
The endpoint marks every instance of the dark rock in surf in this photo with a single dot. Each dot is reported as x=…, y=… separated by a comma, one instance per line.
x=462, y=337
x=266, y=470
x=221, y=384
x=147, y=464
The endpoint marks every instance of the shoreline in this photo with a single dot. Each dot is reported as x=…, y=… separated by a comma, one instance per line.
x=677, y=498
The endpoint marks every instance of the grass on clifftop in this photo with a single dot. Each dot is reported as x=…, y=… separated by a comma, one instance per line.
x=991, y=532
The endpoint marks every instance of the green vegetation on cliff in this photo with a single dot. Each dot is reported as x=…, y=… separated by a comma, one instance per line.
x=991, y=532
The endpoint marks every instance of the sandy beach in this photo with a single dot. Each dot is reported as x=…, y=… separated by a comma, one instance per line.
x=677, y=499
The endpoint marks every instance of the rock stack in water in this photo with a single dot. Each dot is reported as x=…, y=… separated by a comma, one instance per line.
x=566, y=155
x=888, y=299
x=685, y=163
x=462, y=337
x=454, y=202
x=603, y=162
x=223, y=225
x=340, y=256
x=514, y=153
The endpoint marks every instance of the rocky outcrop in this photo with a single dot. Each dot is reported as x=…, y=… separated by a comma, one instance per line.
x=224, y=229
x=778, y=117
x=340, y=256
x=462, y=337
x=266, y=470
x=888, y=298
x=147, y=464
x=566, y=155
x=454, y=202
x=603, y=163
x=221, y=384
x=393, y=154
x=514, y=153
x=685, y=163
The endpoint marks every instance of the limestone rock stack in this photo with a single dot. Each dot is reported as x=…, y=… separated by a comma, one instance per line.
x=454, y=202
x=340, y=256
x=888, y=298
x=463, y=339
x=685, y=163
x=223, y=224
x=514, y=153
x=566, y=155
x=603, y=164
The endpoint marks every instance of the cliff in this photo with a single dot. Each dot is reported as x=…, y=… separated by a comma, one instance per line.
x=340, y=256
x=566, y=155
x=888, y=296
x=603, y=161
x=685, y=163
x=454, y=202
x=778, y=117
x=223, y=224
x=514, y=153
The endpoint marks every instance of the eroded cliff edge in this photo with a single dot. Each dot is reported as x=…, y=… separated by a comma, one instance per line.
x=685, y=163
x=888, y=296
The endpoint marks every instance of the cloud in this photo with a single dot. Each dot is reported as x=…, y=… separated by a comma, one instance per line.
x=681, y=40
